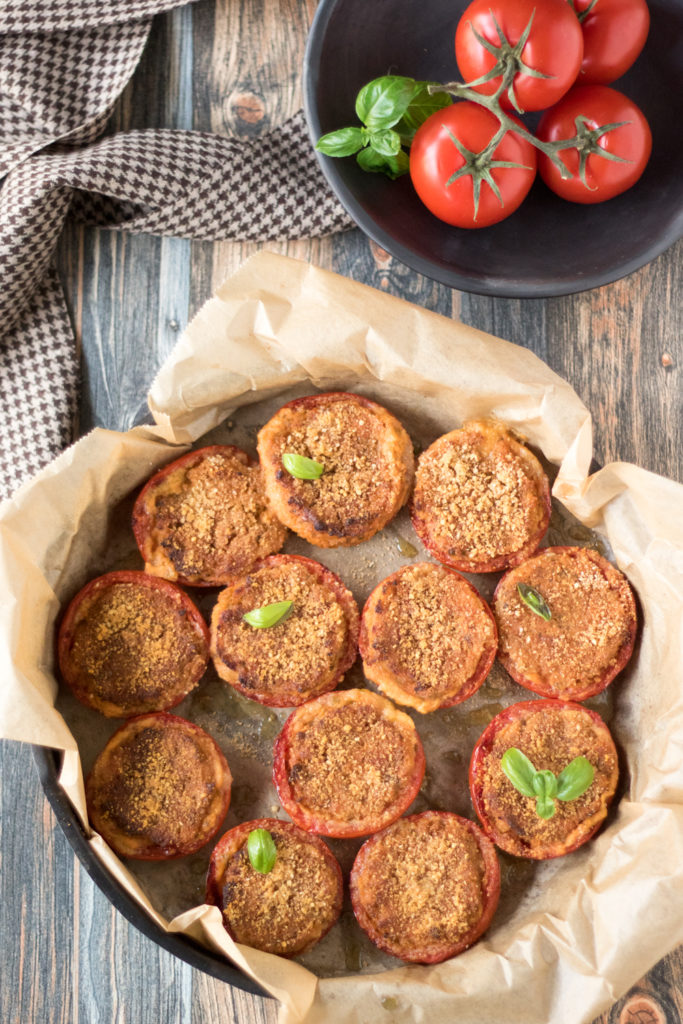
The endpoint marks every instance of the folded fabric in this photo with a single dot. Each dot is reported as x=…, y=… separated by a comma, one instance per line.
x=62, y=66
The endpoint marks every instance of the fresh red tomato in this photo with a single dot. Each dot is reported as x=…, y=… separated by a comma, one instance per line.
x=587, y=111
x=553, y=49
x=447, y=171
x=614, y=33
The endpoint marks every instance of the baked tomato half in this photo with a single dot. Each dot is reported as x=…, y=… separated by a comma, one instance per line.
x=160, y=788
x=205, y=517
x=130, y=643
x=467, y=170
x=302, y=654
x=278, y=888
x=614, y=33
x=347, y=764
x=542, y=776
x=611, y=148
x=529, y=50
x=426, y=887
x=428, y=639
x=566, y=621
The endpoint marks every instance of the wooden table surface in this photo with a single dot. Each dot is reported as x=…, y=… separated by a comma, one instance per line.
x=67, y=955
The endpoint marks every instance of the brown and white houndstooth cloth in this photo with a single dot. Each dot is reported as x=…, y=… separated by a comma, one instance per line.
x=63, y=63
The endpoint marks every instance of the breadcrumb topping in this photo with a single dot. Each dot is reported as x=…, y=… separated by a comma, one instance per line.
x=299, y=655
x=592, y=617
x=211, y=519
x=428, y=629
x=551, y=738
x=367, y=459
x=132, y=644
x=159, y=784
x=422, y=883
x=287, y=909
x=479, y=493
x=349, y=761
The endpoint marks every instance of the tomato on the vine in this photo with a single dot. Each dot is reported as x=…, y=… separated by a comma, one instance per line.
x=461, y=176
x=614, y=33
x=533, y=48
x=612, y=144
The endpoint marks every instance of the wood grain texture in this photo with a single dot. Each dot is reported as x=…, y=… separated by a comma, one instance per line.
x=231, y=67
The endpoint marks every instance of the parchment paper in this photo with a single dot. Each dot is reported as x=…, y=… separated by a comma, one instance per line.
x=585, y=927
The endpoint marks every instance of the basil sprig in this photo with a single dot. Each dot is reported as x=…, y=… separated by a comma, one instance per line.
x=301, y=467
x=391, y=109
x=544, y=785
x=268, y=614
x=533, y=600
x=261, y=850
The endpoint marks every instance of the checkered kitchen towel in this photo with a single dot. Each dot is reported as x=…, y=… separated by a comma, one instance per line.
x=63, y=63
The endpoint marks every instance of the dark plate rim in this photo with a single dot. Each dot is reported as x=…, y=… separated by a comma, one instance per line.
x=671, y=231
x=47, y=763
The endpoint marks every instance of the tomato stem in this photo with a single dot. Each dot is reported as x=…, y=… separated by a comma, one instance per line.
x=586, y=140
x=509, y=61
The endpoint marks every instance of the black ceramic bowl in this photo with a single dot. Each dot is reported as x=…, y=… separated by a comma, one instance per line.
x=549, y=246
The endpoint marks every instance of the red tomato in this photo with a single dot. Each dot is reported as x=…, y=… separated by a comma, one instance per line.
x=435, y=158
x=544, y=730
x=554, y=47
x=614, y=33
x=603, y=177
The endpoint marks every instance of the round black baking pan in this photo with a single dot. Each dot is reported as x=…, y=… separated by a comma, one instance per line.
x=48, y=765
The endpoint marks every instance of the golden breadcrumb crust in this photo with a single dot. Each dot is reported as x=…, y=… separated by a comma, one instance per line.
x=160, y=788
x=304, y=654
x=590, y=634
x=287, y=910
x=427, y=639
x=551, y=734
x=130, y=643
x=205, y=517
x=426, y=887
x=481, y=500
x=368, y=467
x=347, y=763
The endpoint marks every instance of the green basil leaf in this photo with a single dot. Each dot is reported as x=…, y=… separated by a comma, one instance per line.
x=392, y=166
x=533, y=600
x=268, y=615
x=386, y=142
x=545, y=788
x=575, y=779
x=384, y=101
x=545, y=784
x=519, y=770
x=261, y=850
x=301, y=467
x=344, y=142
x=422, y=105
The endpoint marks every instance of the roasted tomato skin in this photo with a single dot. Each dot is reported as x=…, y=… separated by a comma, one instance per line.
x=234, y=840
x=476, y=771
x=580, y=693
x=490, y=892
x=614, y=33
x=67, y=630
x=316, y=820
x=632, y=143
x=434, y=158
x=281, y=696
x=554, y=47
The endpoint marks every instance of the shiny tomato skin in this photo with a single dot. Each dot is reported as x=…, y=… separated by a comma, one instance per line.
x=606, y=178
x=614, y=34
x=434, y=158
x=554, y=47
